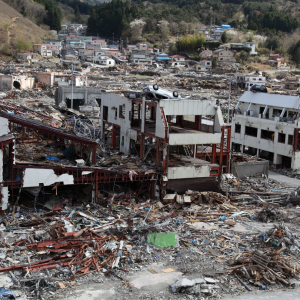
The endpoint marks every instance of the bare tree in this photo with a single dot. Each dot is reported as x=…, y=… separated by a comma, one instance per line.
x=164, y=29
x=136, y=28
x=183, y=27
x=173, y=28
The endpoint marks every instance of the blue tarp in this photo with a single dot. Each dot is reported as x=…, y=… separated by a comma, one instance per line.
x=6, y=292
x=225, y=26
x=52, y=158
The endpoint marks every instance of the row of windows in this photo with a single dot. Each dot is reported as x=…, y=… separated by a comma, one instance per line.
x=265, y=134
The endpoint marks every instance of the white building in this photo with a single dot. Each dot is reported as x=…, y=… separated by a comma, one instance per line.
x=268, y=125
x=246, y=81
x=105, y=60
x=252, y=46
x=204, y=66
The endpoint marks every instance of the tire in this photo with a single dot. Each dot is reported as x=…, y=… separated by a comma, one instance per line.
x=175, y=94
x=155, y=87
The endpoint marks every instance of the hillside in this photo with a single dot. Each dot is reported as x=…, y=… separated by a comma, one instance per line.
x=16, y=32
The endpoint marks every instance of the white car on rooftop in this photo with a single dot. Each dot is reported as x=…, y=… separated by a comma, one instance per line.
x=158, y=93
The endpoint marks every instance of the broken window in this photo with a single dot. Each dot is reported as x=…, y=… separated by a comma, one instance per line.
x=261, y=112
x=277, y=113
x=238, y=128
x=105, y=113
x=207, y=124
x=267, y=135
x=122, y=111
x=281, y=138
x=252, y=131
x=290, y=139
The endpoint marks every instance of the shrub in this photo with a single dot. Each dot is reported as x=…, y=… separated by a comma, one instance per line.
x=5, y=49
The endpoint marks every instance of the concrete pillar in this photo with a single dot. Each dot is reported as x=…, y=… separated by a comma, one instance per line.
x=214, y=151
x=85, y=96
x=143, y=115
x=257, y=153
x=277, y=160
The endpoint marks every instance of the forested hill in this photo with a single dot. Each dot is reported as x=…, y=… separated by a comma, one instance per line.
x=262, y=16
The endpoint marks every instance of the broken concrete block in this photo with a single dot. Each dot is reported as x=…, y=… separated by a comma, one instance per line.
x=210, y=280
x=206, y=291
x=163, y=240
x=182, y=283
x=169, y=198
x=199, y=280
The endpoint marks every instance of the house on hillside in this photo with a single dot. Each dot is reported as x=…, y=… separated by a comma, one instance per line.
x=224, y=55
x=177, y=61
x=204, y=66
x=250, y=45
x=276, y=60
x=24, y=56
x=140, y=57
x=42, y=50
x=292, y=83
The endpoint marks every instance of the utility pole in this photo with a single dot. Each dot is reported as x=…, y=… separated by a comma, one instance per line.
x=271, y=49
x=229, y=101
x=72, y=89
x=113, y=38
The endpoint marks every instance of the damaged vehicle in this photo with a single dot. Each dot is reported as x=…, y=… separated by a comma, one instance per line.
x=158, y=93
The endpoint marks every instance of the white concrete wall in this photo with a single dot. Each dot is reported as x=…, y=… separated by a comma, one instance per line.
x=194, y=138
x=188, y=107
x=4, y=129
x=188, y=172
x=159, y=125
x=33, y=177
x=5, y=196
x=114, y=101
x=1, y=166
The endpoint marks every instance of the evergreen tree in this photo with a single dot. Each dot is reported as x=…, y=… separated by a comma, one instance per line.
x=77, y=15
x=52, y=18
x=224, y=37
x=294, y=52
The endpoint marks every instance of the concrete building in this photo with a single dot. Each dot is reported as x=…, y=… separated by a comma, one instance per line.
x=81, y=96
x=106, y=61
x=268, y=125
x=24, y=56
x=224, y=55
x=6, y=82
x=45, y=77
x=246, y=81
x=204, y=66
x=42, y=50
x=57, y=43
x=275, y=60
x=177, y=61
x=140, y=57
x=182, y=134
x=250, y=45
x=292, y=83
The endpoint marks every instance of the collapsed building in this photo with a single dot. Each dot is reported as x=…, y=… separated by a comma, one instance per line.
x=185, y=138
x=162, y=144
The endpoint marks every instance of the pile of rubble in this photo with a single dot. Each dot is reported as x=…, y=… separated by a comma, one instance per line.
x=205, y=239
